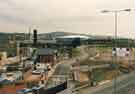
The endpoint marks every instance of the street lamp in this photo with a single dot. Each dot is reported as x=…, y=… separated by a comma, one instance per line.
x=116, y=30
x=116, y=17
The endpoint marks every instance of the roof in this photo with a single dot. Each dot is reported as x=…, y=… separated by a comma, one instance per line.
x=39, y=41
x=45, y=51
x=75, y=36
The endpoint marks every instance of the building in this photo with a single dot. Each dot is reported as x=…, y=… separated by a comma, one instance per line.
x=45, y=56
x=72, y=40
x=3, y=55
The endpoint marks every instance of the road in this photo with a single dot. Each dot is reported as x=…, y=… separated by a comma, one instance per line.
x=60, y=75
x=125, y=85
x=62, y=71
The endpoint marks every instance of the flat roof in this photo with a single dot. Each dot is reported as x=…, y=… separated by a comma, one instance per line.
x=39, y=41
x=45, y=51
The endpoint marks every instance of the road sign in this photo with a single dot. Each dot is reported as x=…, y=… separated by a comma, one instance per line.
x=121, y=52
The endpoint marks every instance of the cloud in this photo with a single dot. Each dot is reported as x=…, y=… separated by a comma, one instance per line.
x=82, y=16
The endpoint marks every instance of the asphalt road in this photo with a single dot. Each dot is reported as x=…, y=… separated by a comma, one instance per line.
x=125, y=85
x=61, y=74
x=62, y=71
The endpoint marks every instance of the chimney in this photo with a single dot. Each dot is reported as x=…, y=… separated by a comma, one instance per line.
x=34, y=36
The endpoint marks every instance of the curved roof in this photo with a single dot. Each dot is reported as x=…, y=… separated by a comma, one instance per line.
x=75, y=36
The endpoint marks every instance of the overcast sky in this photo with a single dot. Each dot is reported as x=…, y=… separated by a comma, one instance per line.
x=78, y=16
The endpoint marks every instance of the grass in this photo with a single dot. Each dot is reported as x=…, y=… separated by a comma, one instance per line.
x=94, y=62
x=99, y=75
x=75, y=52
x=103, y=74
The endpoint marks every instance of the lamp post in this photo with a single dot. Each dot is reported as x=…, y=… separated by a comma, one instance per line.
x=116, y=17
x=115, y=37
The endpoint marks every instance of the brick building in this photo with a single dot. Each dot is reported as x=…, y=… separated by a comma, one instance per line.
x=46, y=56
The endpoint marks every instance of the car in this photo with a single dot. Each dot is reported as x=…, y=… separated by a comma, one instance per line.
x=29, y=63
x=12, y=76
x=38, y=89
x=49, y=67
x=25, y=91
x=37, y=72
x=18, y=75
x=41, y=66
x=4, y=82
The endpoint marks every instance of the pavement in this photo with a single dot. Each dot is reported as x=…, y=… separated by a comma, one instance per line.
x=124, y=85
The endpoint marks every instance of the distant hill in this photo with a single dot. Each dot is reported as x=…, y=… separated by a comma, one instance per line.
x=13, y=36
x=4, y=36
x=52, y=35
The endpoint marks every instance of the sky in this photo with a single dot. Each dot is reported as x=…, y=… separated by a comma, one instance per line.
x=76, y=16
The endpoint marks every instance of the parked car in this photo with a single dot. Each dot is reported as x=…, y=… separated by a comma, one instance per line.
x=25, y=91
x=37, y=72
x=36, y=89
x=29, y=63
x=40, y=66
x=12, y=76
x=5, y=82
